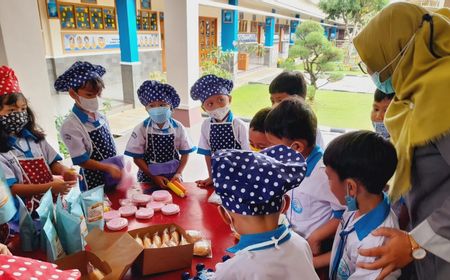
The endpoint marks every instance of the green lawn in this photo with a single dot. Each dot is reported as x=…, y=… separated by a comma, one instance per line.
x=334, y=109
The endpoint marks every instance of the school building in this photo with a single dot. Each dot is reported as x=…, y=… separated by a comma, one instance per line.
x=133, y=38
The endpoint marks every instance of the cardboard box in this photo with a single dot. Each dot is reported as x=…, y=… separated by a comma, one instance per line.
x=159, y=260
x=114, y=253
x=80, y=261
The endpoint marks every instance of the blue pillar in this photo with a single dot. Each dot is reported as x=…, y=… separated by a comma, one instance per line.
x=126, y=14
x=294, y=25
x=269, y=31
x=230, y=27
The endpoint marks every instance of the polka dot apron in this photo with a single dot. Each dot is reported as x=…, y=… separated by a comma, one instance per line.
x=221, y=137
x=103, y=147
x=35, y=170
x=160, y=154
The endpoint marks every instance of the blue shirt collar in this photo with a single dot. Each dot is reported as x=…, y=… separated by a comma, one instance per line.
x=251, y=239
x=374, y=218
x=25, y=133
x=313, y=158
x=166, y=126
x=83, y=116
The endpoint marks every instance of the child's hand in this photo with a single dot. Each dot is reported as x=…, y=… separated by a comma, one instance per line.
x=61, y=187
x=160, y=181
x=314, y=244
x=4, y=250
x=204, y=183
x=115, y=172
x=176, y=177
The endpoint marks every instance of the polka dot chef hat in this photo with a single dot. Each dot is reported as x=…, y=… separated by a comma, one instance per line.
x=9, y=83
x=151, y=91
x=210, y=85
x=78, y=74
x=252, y=183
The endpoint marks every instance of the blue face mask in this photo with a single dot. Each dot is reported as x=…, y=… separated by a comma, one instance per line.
x=351, y=202
x=159, y=114
x=381, y=129
x=385, y=86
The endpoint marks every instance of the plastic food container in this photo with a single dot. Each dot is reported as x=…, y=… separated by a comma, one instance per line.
x=127, y=211
x=170, y=209
x=145, y=213
x=117, y=224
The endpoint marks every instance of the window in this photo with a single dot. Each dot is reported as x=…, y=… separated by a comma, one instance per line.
x=146, y=4
x=277, y=28
x=243, y=26
x=254, y=27
x=67, y=16
x=241, y=15
x=147, y=20
x=109, y=16
x=86, y=17
x=96, y=18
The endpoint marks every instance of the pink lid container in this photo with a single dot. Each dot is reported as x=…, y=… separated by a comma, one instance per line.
x=141, y=198
x=145, y=213
x=125, y=202
x=170, y=209
x=155, y=205
x=161, y=195
x=127, y=211
x=117, y=224
x=108, y=216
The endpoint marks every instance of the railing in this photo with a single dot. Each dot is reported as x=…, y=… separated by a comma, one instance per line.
x=428, y=3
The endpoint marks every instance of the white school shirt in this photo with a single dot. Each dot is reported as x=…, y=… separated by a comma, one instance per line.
x=137, y=144
x=240, y=130
x=361, y=238
x=8, y=163
x=291, y=260
x=75, y=133
x=312, y=203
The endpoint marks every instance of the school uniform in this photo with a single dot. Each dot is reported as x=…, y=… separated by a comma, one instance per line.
x=232, y=133
x=85, y=137
x=253, y=184
x=354, y=234
x=158, y=145
x=312, y=203
x=288, y=257
x=28, y=162
x=88, y=138
x=160, y=140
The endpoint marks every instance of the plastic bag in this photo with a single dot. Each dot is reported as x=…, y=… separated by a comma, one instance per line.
x=117, y=161
x=92, y=202
x=54, y=248
x=29, y=235
x=69, y=229
x=45, y=210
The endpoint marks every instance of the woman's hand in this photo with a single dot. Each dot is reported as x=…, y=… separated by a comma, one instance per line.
x=160, y=181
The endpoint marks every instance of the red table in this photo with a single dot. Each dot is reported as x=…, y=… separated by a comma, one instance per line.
x=196, y=213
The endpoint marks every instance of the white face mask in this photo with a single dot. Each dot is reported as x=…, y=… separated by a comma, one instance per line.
x=89, y=104
x=219, y=113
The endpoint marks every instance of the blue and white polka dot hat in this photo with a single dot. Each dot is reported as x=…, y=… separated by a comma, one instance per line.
x=210, y=85
x=78, y=74
x=151, y=91
x=252, y=183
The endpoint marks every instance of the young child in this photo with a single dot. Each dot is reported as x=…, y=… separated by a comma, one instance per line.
x=252, y=203
x=381, y=102
x=85, y=131
x=221, y=130
x=256, y=133
x=291, y=84
x=26, y=158
x=358, y=165
x=160, y=145
x=314, y=212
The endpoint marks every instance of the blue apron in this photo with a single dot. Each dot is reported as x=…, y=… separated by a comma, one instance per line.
x=160, y=154
x=103, y=147
x=221, y=137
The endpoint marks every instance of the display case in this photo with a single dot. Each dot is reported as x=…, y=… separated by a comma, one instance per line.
x=67, y=16
x=96, y=18
x=82, y=17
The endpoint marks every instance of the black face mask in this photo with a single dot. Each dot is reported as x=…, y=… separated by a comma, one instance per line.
x=14, y=122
